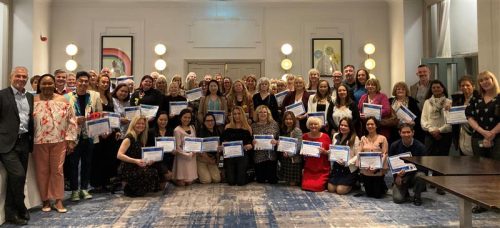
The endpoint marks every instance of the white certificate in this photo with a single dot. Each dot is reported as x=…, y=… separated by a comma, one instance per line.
x=339, y=153
x=263, y=142
x=131, y=112
x=372, y=110
x=122, y=79
x=114, y=119
x=297, y=108
x=280, y=97
x=167, y=143
x=149, y=111
x=233, y=149
x=320, y=115
x=98, y=127
x=220, y=118
x=404, y=114
x=192, y=144
x=456, y=115
x=210, y=144
x=397, y=164
x=288, y=145
x=310, y=148
x=194, y=94
x=370, y=160
x=152, y=154
x=177, y=106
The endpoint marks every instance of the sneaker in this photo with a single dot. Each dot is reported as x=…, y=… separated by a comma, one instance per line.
x=75, y=196
x=84, y=194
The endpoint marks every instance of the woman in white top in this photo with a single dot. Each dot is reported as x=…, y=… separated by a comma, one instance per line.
x=321, y=101
x=344, y=106
x=433, y=121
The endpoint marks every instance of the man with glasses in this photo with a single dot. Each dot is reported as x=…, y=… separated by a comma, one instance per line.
x=337, y=81
x=16, y=140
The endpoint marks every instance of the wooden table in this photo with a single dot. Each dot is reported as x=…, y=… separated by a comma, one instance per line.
x=457, y=165
x=481, y=190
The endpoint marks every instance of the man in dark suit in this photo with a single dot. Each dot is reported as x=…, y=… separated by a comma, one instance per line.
x=16, y=138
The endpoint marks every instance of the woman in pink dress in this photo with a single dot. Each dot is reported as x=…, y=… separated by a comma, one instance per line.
x=185, y=168
x=316, y=170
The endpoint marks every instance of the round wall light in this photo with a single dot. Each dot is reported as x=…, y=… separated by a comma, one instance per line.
x=286, y=64
x=71, y=65
x=369, y=48
x=286, y=49
x=370, y=64
x=160, y=49
x=71, y=49
x=160, y=65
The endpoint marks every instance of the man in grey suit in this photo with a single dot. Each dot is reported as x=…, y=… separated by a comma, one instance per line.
x=16, y=140
x=420, y=88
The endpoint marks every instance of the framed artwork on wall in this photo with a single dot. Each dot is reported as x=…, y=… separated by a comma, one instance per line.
x=117, y=54
x=327, y=55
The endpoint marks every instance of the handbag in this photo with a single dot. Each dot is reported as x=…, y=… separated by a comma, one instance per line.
x=464, y=140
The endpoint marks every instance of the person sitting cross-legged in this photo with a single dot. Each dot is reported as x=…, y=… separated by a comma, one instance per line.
x=404, y=180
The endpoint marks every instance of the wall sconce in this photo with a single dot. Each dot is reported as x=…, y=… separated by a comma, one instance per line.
x=160, y=64
x=369, y=49
x=71, y=51
x=286, y=63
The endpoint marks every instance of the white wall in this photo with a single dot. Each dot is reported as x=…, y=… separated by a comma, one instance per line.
x=463, y=27
x=172, y=23
x=22, y=29
x=413, y=38
x=397, y=37
x=41, y=18
x=4, y=46
x=489, y=36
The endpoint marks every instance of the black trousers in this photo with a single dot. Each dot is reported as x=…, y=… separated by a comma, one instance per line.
x=16, y=164
x=374, y=186
x=83, y=151
x=266, y=172
x=236, y=170
x=104, y=161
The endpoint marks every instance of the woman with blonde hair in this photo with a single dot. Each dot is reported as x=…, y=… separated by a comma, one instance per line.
x=265, y=160
x=238, y=129
x=239, y=96
x=251, y=81
x=313, y=83
x=265, y=97
x=483, y=115
x=140, y=176
x=298, y=95
x=374, y=96
x=316, y=169
x=161, y=84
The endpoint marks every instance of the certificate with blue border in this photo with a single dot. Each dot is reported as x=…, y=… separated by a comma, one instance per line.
x=149, y=111
x=233, y=149
x=287, y=144
x=210, y=144
x=194, y=94
x=404, y=114
x=167, y=143
x=372, y=110
x=456, y=115
x=263, y=142
x=114, y=119
x=152, y=154
x=370, y=160
x=280, y=97
x=220, y=116
x=193, y=144
x=297, y=108
x=339, y=153
x=397, y=164
x=98, y=127
x=310, y=148
x=177, y=106
x=131, y=112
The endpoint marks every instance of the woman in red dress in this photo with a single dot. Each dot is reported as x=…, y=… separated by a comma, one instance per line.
x=316, y=170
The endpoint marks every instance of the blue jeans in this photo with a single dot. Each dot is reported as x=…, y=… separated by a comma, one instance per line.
x=83, y=151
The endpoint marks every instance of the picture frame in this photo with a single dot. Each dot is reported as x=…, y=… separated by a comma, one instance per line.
x=117, y=54
x=327, y=55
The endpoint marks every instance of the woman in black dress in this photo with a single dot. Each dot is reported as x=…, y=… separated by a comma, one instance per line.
x=139, y=176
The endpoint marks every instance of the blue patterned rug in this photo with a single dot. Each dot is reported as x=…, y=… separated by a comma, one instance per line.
x=257, y=205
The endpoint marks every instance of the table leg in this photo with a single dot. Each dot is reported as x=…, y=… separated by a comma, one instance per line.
x=465, y=213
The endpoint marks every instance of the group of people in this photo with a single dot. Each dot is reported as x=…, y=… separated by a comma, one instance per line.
x=52, y=124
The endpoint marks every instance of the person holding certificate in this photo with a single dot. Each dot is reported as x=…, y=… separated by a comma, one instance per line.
x=173, y=95
x=321, y=101
x=120, y=96
x=344, y=172
x=85, y=104
x=265, y=160
x=239, y=96
x=298, y=95
x=140, y=176
x=316, y=170
x=264, y=97
x=438, y=132
x=213, y=100
x=238, y=129
x=374, y=96
x=55, y=135
x=161, y=130
x=207, y=163
x=344, y=107
x=147, y=95
x=404, y=180
x=462, y=133
x=291, y=164
x=185, y=170
x=401, y=97
x=373, y=178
